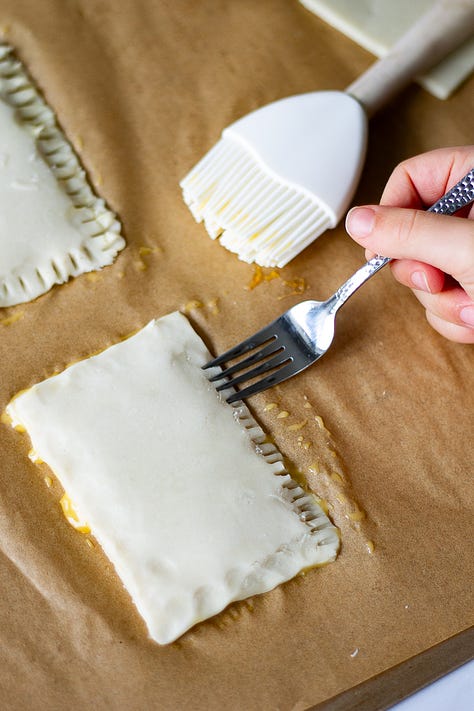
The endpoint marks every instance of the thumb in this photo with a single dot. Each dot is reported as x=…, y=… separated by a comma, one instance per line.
x=445, y=242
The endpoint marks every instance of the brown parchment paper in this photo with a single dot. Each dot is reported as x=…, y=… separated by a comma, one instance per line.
x=142, y=90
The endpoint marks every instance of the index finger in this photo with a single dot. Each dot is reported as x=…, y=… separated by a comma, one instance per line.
x=418, y=182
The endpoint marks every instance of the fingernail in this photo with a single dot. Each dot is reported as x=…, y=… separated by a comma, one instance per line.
x=420, y=281
x=360, y=221
x=467, y=315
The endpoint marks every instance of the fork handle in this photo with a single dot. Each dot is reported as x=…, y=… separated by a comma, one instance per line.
x=356, y=280
x=460, y=195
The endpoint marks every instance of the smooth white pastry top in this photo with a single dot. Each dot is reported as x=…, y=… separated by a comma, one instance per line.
x=169, y=479
x=35, y=214
x=52, y=226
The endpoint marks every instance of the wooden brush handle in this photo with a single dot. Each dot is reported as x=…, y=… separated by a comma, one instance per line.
x=437, y=33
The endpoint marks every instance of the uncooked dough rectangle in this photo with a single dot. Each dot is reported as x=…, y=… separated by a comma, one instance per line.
x=52, y=225
x=191, y=505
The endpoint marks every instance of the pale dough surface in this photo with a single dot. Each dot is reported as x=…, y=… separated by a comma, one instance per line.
x=377, y=24
x=46, y=235
x=168, y=477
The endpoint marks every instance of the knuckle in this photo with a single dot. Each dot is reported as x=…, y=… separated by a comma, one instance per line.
x=466, y=268
x=403, y=166
x=400, y=174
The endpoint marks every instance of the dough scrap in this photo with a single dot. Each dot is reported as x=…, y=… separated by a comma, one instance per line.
x=190, y=503
x=52, y=226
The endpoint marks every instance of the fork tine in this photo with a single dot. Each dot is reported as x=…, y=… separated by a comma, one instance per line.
x=278, y=360
x=273, y=379
x=258, y=339
x=270, y=349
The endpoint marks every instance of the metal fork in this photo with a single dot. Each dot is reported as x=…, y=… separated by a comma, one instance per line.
x=301, y=335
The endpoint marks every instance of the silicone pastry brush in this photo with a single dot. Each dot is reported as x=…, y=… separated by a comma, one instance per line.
x=283, y=174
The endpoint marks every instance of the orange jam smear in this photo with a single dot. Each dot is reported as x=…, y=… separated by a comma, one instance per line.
x=297, y=285
x=260, y=276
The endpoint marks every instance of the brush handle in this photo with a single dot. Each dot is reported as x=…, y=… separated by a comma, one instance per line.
x=437, y=33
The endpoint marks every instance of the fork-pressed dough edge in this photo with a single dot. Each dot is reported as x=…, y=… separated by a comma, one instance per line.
x=99, y=225
x=304, y=503
x=318, y=547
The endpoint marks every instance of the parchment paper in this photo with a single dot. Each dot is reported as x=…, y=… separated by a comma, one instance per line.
x=143, y=89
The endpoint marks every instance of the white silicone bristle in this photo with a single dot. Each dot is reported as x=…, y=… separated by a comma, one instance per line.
x=254, y=212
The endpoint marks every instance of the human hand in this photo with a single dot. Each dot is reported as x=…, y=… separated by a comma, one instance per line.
x=433, y=254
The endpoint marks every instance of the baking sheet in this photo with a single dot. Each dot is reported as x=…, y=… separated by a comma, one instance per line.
x=142, y=90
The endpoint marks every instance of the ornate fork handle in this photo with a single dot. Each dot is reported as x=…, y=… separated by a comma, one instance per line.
x=460, y=195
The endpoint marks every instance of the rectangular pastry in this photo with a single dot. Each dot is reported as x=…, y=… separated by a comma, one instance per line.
x=190, y=503
x=52, y=226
